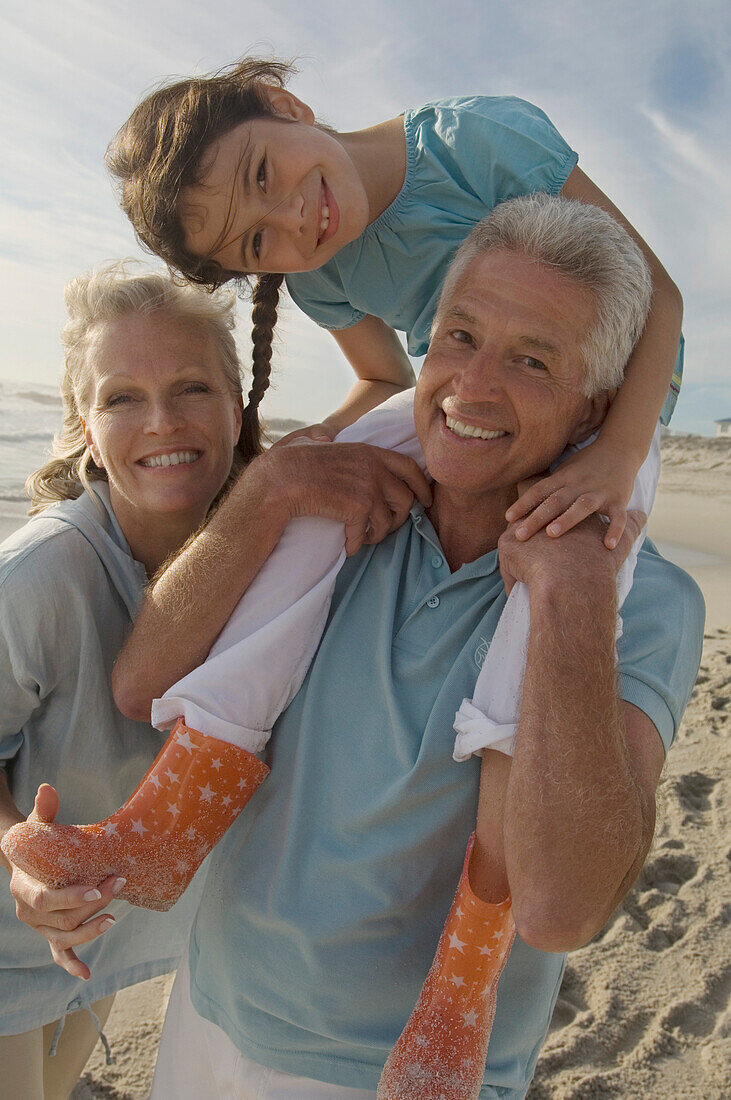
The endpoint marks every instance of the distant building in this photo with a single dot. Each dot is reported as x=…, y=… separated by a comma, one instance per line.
x=723, y=427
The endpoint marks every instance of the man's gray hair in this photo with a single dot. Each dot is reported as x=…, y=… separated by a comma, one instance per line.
x=586, y=245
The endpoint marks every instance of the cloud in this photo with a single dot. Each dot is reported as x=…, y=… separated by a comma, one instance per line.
x=640, y=90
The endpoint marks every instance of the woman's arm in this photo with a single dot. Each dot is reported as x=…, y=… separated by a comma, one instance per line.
x=600, y=477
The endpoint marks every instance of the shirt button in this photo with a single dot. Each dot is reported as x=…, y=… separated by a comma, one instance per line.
x=436, y=562
x=433, y=601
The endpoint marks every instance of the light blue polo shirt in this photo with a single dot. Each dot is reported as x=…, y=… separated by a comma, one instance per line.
x=325, y=901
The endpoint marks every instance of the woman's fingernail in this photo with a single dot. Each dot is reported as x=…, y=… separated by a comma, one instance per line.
x=554, y=529
x=107, y=923
x=92, y=895
x=118, y=884
x=521, y=533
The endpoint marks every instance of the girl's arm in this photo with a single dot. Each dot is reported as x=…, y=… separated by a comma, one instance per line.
x=601, y=476
x=377, y=356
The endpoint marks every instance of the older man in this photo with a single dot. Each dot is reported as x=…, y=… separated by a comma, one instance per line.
x=326, y=899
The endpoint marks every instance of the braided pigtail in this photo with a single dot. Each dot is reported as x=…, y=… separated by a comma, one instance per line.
x=265, y=298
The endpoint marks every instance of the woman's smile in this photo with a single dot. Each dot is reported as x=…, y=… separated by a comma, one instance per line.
x=162, y=420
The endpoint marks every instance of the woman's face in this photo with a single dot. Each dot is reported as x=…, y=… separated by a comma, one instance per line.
x=160, y=419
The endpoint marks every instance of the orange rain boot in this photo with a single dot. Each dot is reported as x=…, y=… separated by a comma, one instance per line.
x=195, y=789
x=441, y=1053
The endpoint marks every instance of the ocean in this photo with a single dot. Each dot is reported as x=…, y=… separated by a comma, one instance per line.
x=29, y=417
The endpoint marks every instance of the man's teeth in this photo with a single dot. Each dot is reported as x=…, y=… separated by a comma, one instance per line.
x=325, y=221
x=469, y=431
x=176, y=459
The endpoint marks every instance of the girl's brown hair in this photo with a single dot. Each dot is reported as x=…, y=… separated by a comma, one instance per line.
x=159, y=151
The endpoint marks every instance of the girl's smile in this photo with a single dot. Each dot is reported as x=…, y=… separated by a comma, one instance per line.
x=276, y=196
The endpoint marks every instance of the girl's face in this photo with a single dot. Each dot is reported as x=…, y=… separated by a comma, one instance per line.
x=160, y=419
x=277, y=195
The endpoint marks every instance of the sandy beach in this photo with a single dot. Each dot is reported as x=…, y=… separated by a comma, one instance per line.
x=643, y=1010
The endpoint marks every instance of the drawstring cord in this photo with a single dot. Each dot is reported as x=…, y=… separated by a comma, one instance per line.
x=95, y=1020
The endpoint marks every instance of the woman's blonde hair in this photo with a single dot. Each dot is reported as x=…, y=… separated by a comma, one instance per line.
x=95, y=299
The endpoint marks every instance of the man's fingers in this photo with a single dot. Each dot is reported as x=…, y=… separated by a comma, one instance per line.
x=399, y=498
x=380, y=522
x=411, y=474
x=632, y=524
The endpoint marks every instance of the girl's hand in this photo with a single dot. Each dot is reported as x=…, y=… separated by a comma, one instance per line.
x=595, y=479
x=320, y=433
x=68, y=917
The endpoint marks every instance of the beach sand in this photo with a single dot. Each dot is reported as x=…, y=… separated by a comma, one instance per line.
x=643, y=1009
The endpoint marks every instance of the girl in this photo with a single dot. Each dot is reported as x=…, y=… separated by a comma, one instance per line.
x=230, y=176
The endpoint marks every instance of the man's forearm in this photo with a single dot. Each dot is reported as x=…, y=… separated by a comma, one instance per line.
x=190, y=603
x=578, y=822
x=365, y=488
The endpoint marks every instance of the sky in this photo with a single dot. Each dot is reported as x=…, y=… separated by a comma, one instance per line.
x=641, y=91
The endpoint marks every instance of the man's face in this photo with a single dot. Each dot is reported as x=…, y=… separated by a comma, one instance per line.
x=499, y=395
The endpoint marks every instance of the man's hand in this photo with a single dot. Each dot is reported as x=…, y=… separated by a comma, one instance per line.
x=580, y=559
x=66, y=918
x=367, y=488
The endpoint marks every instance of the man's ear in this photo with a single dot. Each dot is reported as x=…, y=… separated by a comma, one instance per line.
x=593, y=417
x=287, y=105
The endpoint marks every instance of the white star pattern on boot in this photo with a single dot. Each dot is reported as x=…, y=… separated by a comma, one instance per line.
x=183, y=739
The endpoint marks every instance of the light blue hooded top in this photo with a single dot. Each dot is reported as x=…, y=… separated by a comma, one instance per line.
x=69, y=591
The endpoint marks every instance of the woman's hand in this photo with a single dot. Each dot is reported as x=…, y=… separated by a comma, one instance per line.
x=66, y=918
x=594, y=480
x=367, y=488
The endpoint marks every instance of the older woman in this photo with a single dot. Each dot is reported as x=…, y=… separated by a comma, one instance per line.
x=152, y=419
x=154, y=425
